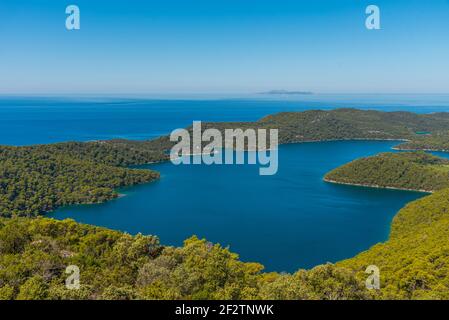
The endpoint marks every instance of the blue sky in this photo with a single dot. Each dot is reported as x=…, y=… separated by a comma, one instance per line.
x=224, y=46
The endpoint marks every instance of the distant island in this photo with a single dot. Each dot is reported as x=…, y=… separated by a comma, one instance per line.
x=287, y=92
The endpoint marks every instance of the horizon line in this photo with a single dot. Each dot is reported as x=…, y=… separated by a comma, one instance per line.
x=261, y=94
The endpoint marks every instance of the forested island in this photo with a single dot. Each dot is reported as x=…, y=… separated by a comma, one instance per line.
x=417, y=171
x=34, y=250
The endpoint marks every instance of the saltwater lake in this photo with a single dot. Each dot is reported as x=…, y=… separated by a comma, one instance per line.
x=288, y=221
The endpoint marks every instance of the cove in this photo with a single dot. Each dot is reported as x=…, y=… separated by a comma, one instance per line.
x=287, y=221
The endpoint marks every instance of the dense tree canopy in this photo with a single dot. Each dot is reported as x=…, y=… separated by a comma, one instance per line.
x=34, y=254
x=438, y=141
x=405, y=170
x=414, y=262
x=35, y=180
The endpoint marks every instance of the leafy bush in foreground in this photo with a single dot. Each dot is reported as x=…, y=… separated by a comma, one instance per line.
x=35, y=252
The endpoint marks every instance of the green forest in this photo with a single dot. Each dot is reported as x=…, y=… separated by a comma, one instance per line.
x=35, y=251
x=414, y=262
x=342, y=124
x=36, y=180
x=438, y=141
x=404, y=170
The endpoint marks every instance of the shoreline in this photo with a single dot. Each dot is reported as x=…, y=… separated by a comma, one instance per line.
x=376, y=186
x=424, y=149
x=346, y=139
x=287, y=143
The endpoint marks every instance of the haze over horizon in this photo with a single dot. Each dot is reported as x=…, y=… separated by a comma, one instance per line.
x=224, y=46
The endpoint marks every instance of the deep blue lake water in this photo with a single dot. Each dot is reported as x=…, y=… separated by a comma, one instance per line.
x=288, y=221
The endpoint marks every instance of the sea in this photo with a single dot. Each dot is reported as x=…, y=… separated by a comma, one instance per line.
x=288, y=221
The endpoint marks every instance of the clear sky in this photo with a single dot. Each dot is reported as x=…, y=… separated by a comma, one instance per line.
x=165, y=46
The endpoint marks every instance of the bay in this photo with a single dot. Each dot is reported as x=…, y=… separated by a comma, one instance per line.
x=287, y=221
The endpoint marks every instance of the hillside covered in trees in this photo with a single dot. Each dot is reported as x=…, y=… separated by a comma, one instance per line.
x=36, y=180
x=414, y=262
x=338, y=124
x=343, y=124
x=438, y=141
x=405, y=170
x=34, y=254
